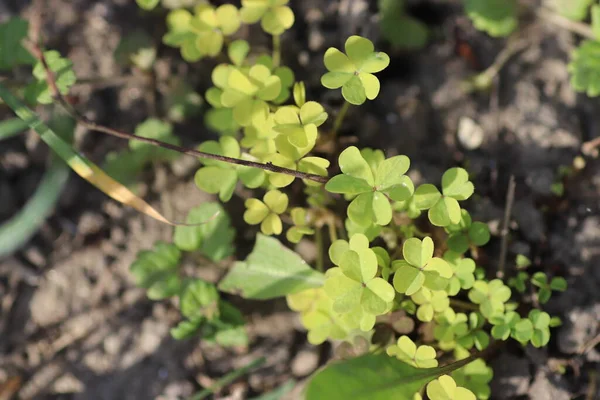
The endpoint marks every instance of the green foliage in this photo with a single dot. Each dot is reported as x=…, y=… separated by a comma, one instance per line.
x=406, y=350
x=475, y=376
x=491, y=296
x=372, y=185
x=202, y=33
x=575, y=10
x=519, y=282
x=136, y=48
x=271, y=270
x=353, y=71
x=147, y=4
x=419, y=268
x=274, y=15
x=180, y=101
x=462, y=272
x=213, y=237
x=157, y=271
x=585, y=76
x=444, y=209
x=540, y=280
x=301, y=227
x=38, y=91
x=496, y=17
x=466, y=233
x=12, y=52
x=445, y=388
x=266, y=212
x=400, y=29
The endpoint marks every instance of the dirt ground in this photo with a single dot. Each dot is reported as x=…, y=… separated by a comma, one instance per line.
x=74, y=326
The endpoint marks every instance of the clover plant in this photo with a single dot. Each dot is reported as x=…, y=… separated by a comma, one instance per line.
x=383, y=271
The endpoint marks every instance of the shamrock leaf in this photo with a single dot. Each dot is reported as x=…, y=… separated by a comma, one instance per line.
x=407, y=351
x=475, y=335
x=419, y=268
x=476, y=377
x=301, y=225
x=300, y=124
x=462, y=272
x=266, y=212
x=213, y=237
x=354, y=282
x=147, y=4
x=372, y=188
x=12, y=52
x=353, y=71
x=467, y=233
x=541, y=327
x=519, y=282
x=317, y=315
x=496, y=17
x=430, y=303
x=443, y=207
x=522, y=331
x=201, y=34
x=62, y=68
x=504, y=324
x=275, y=17
x=444, y=388
x=248, y=92
x=585, y=77
x=540, y=280
x=157, y=271
x=490, y=296
x=398, y=28
x=221, y=177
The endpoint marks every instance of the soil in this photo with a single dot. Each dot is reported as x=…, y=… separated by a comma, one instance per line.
x=74, y=326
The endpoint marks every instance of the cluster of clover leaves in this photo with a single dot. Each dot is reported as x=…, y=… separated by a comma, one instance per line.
x=262, y=115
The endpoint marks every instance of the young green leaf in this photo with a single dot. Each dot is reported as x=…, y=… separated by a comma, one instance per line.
x=353, y=71
x=490, y=296
x=406, y=350
x=274, y=15
x=444, y=388
x=476, y=377
x=147, y=4
x=575, y=10
x=398, y=28
x=496, y=17
x=136, y=48
x=301, y=227
x=213, y=237
x=540, y=280
x=12, y=52
x=199, y=299
x=157, y=271
x=266, y=212
x=585, y=76
x=271, y=270
x=38, y=91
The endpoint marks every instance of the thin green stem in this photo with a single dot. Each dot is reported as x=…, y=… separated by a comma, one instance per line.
x=339, y=119
x=320, y=249
x=332, y=231
x=276, y=50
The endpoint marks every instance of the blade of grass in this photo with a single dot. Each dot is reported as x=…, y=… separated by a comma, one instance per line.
x=78, y=163
x=227, y=379
x=20, y=228
x=12, y=127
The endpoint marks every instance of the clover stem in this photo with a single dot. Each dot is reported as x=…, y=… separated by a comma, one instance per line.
x=339, y=119
x=464, y=305
x=332, y=231
x=320, y=246
x=276, y=50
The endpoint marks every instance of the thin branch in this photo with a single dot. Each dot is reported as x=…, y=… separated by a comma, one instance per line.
x=573, y=26
x=510, y=197
x=590, y=148
x=93, y=126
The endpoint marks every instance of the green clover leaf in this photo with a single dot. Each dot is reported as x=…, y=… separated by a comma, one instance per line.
x=153, y=128
x=266, y=212
x=449, y=327
x=467, y=233
x=317, y=315
x=301, y=227
x=504, y=324
x=463, y=270
x=300, y=124
x=585, y=77
x=355, y=282
x=201, y=34
x=407, y=351
x=496, y=17
x=147, y=4
x=444, y=388
x=136, y=48
x=62, y=68
x=400, y=29
x=443, y=207
x=540, y=280
x=519, y=282
x=475, y=335
x=419, y=268
x=490, y=296
x=157, y=271
x=353, y=71
x=430, y=303
x=12, y=52
x=373, y=188
x=541, y=327
x=370, y=231
x=475, y=376
x=522, y=331
x=248, y=92
x=275, y=17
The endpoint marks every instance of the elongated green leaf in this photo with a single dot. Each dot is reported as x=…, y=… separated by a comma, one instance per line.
x=11, y=127
x=271, y=270
x=373, y=377
x=78, y=163
x=20, y=228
